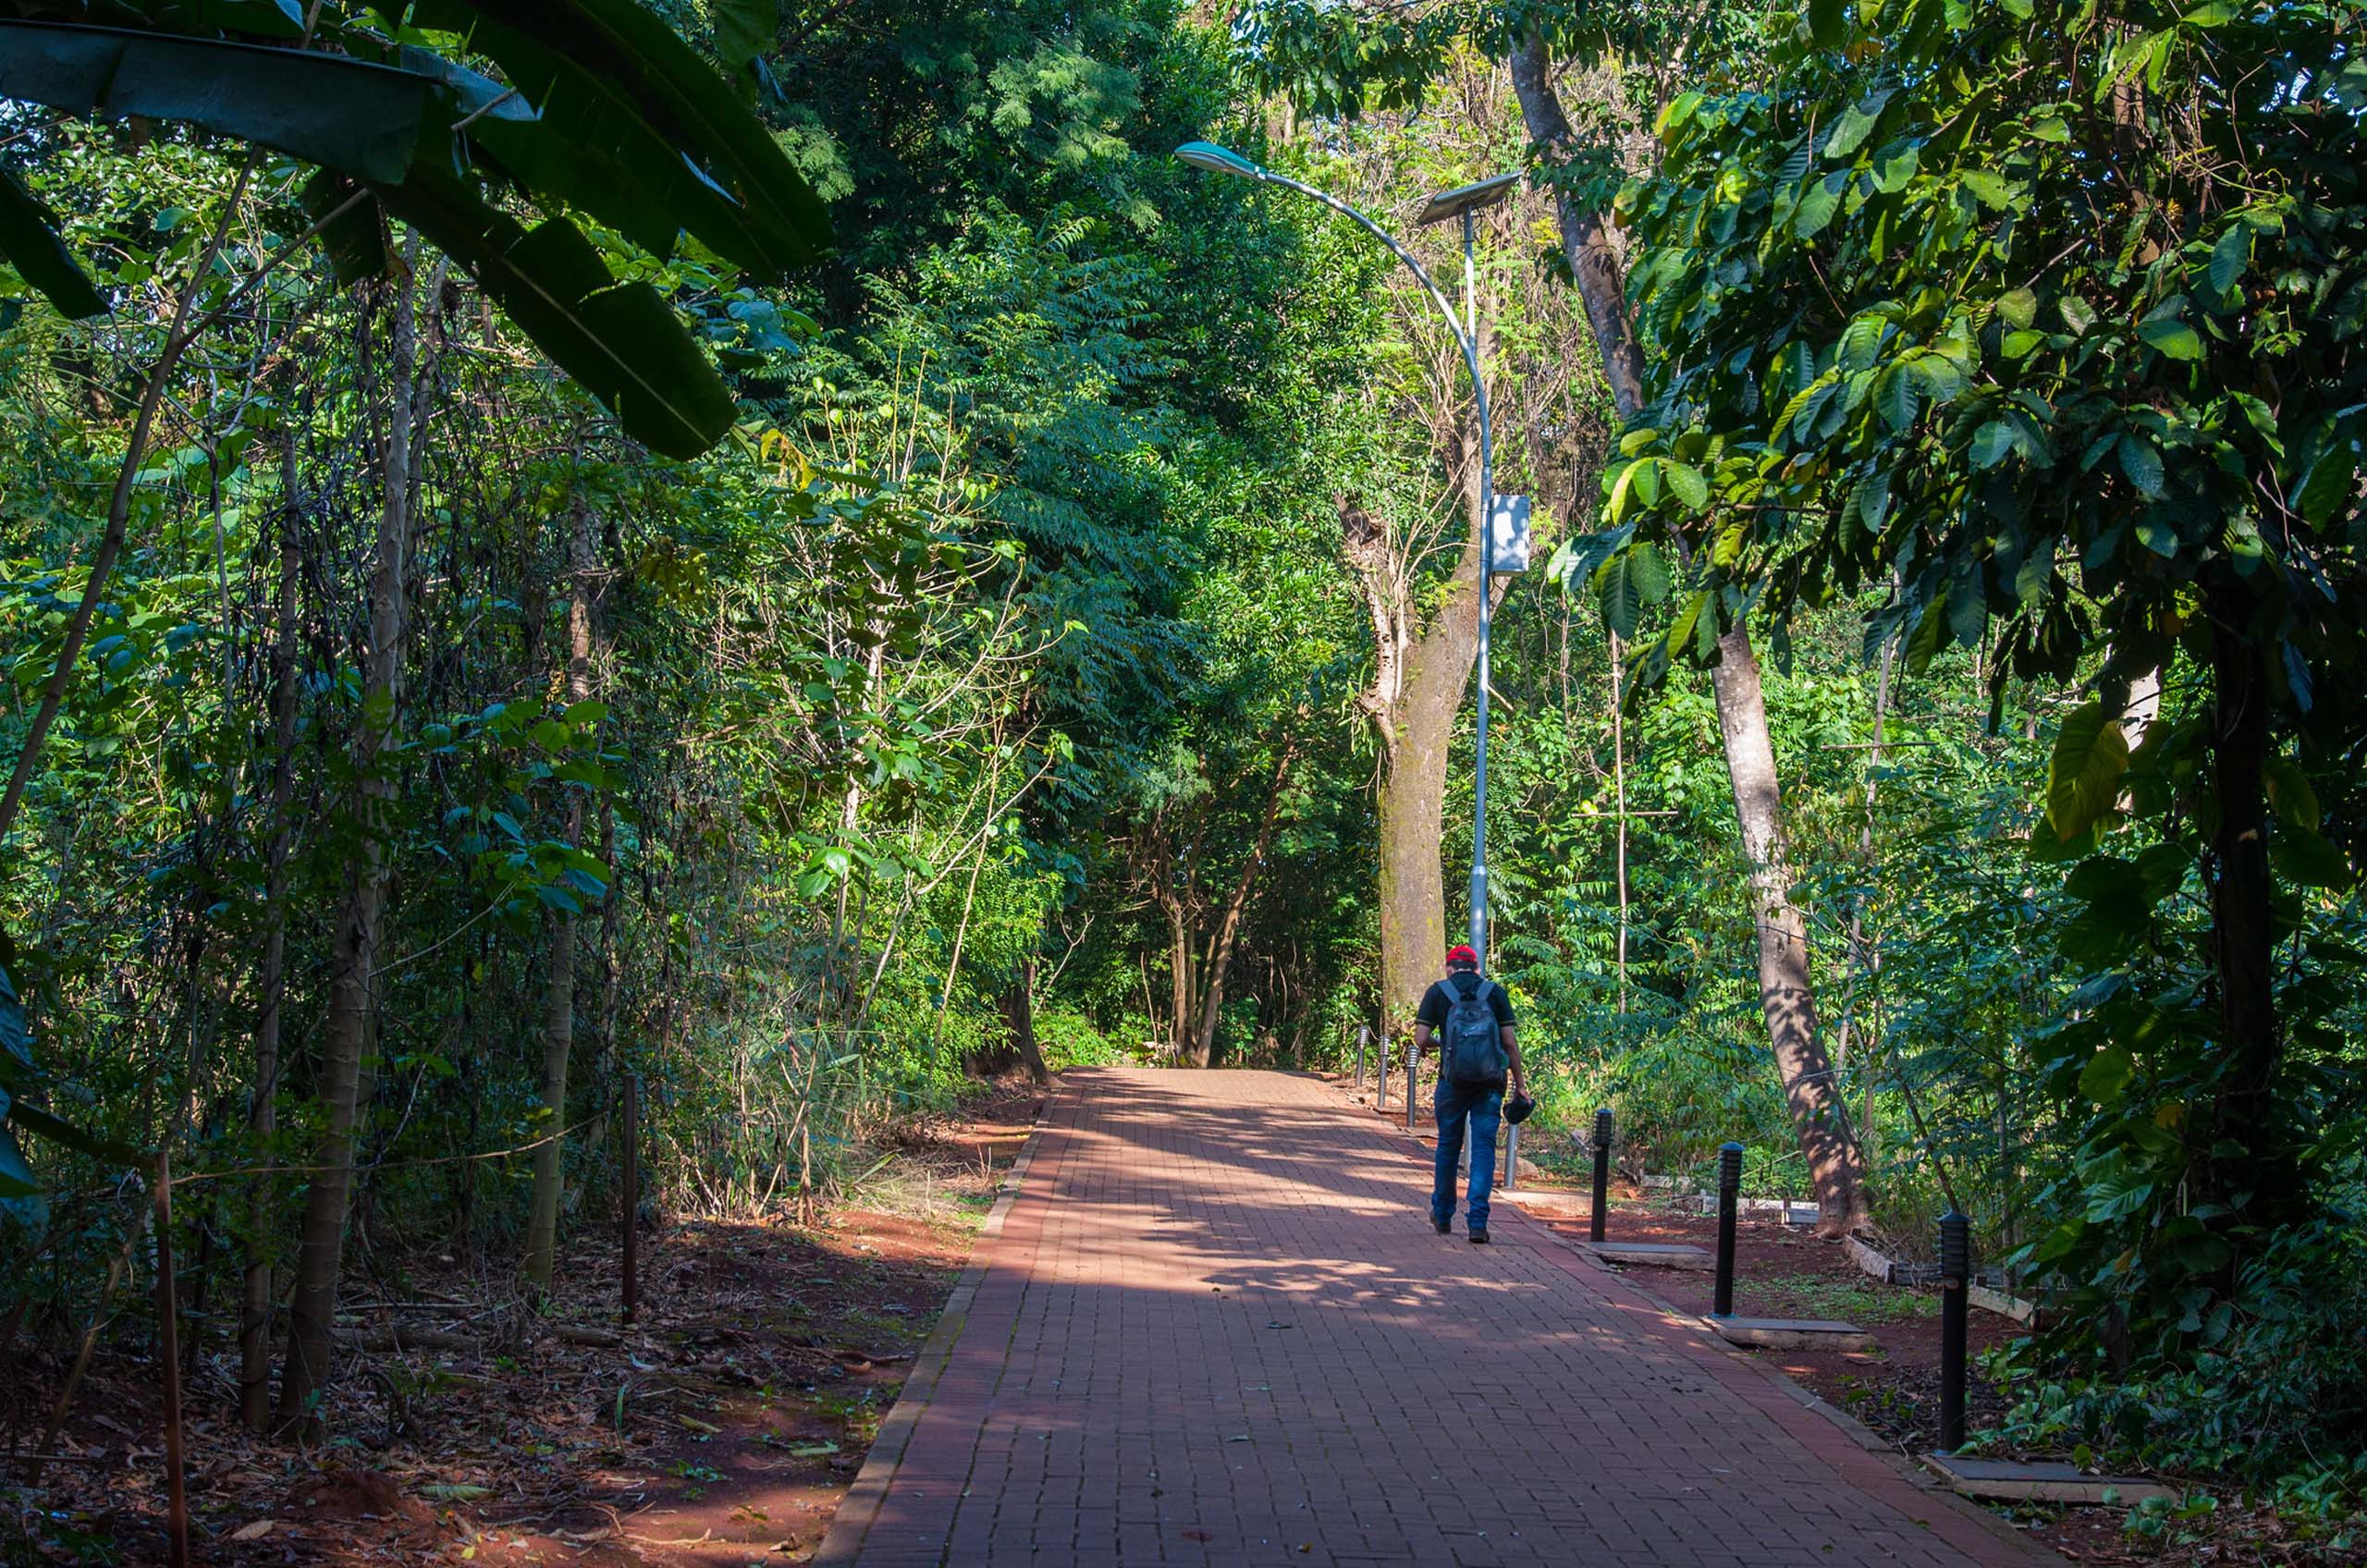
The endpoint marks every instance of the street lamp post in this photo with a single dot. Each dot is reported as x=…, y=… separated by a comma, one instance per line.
x=1463, y=202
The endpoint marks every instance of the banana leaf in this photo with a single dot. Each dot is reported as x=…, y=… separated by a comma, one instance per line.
x=355, y=240
x=348, y=115
x=744, y=30
x=40, y=257
x=638, y=130
x=622, y=342
x=257, y=19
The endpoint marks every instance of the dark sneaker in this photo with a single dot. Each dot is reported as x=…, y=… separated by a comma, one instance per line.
x=1443, y=1227
x=1478, y=1238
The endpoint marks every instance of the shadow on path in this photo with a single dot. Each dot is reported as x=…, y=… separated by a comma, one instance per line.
x=1217, y=1328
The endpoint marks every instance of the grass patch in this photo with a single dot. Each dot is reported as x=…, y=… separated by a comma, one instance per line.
x=1818, y=1296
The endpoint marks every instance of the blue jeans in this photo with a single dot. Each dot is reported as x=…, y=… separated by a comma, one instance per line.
x=1484, y=1107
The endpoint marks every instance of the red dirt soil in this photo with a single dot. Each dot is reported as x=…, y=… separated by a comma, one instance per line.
x=723, y=1429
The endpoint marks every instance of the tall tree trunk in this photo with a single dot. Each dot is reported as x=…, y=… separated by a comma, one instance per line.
x=558, y=1013
x=1179, y=978
x=321, y=1250
x=2141, y=706
x=1783, y=988
x=1203, y=1041
x=1865, y=952
x=262, y=1114
x=1420, y=672
x=1412, y=888
x=605, y=1074
x=1586, y=239
x=1417, y=693
x=1019, y=1008
x=2257, y=1184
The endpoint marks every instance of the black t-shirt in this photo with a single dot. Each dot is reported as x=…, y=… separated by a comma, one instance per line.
x=1438, y=1001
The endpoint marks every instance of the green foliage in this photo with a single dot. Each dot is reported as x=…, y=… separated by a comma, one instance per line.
x=929, y=116
x=2280, y=1363
x=2083, y=776
x=621, y=342
x=990, y=524
x=985, y=653
x=39, y=256
x=606, y=110
x=629, y=128
x=354, y=115
x=2103, y=431
x=1072, y=1039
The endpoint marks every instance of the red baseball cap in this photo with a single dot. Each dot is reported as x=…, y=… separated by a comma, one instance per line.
x=1462, y=953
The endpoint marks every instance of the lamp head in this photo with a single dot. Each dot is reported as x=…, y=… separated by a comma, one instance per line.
x=1208, y=156
x=1465, y=198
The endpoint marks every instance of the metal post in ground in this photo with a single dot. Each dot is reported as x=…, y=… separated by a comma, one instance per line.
x=1469, y=333
x=633, y=1196
x=1413, y=1077
x=1601, y=1173
x=1364, y=1035
x=170, y=1353
x=1381, y=1095
x=1956, y=1291
x=1463, y=201
x=1729, y=1186
x=1512, y=1156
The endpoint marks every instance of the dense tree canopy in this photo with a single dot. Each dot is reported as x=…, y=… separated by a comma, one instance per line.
x=2038, y=325
x=789, y=555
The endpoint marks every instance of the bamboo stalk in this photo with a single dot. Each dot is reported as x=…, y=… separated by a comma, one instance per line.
x=632, y=1197
x=168, y=1353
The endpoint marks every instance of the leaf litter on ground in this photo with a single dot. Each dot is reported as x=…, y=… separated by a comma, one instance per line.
x=767, y=1355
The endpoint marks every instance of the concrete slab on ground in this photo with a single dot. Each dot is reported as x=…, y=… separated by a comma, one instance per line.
x=1788, y=1211
x=1790, y=1333
x=1559, y=1203
x=2040, y=1481
x=1998, y=1301
x=1649, y=1254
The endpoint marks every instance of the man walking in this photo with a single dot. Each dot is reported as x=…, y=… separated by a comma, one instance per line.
x=1471, y=1021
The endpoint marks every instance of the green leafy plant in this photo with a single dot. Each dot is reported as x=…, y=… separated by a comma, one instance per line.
x=1908, y=340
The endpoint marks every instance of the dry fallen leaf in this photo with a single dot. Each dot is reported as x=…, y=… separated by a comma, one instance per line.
x=253, y=1532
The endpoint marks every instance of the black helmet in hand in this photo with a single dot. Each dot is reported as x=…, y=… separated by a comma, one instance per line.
x=1517, y=1108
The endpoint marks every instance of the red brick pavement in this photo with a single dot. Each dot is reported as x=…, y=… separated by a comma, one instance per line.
x=1216, y=1327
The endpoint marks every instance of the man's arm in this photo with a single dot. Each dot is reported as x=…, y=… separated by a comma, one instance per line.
x=1512, y=1052
x=1423, y=1037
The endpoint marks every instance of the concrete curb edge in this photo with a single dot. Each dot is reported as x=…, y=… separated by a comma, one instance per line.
x=860, y=1508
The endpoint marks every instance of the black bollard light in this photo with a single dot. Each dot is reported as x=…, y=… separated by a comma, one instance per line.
x=1601, y=1171
x=1956, y=1297
x=1413, y=1077
x=1729, y=1184
x=1364, y=1033
x=1381, y=1095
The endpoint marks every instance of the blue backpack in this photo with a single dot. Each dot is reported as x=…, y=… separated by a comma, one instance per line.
x=1475, y=1049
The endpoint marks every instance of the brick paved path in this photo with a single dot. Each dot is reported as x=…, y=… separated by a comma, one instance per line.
x=1216, y=1327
